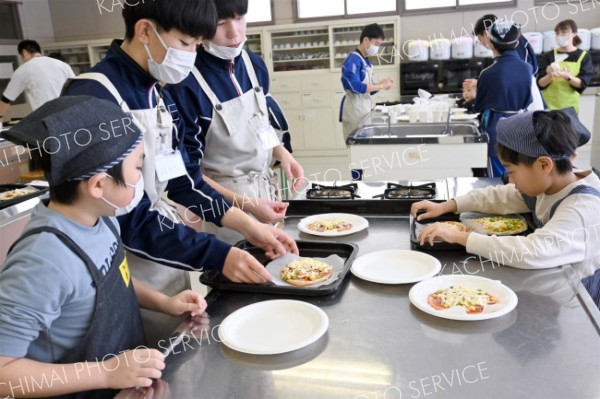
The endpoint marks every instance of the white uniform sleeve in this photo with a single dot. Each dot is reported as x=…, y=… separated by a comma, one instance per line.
x=561, y=241
x=502, y=200
x=16, y=85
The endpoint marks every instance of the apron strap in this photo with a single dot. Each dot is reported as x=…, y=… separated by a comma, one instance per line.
x=69, y=243
x=250, y=70
x=580, y=189
x=108, y=85
x=206, y=88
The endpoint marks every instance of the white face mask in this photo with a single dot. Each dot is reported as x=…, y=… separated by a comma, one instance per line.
x=137, y=197
x=563, y=40
x=224, y=52
x=372, y=50
x=176, y=66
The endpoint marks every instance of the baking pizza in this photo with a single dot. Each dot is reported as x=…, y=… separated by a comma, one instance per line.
x=329, y=225
x=502, y=225
x=18, y=192
x=306, y=271
x=455, y=225
x=472, y=300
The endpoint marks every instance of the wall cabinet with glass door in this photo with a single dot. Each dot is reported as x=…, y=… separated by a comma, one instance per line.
x=81, y=56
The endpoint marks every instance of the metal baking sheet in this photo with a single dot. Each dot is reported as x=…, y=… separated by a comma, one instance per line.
x=317, y=249
x=9, y=187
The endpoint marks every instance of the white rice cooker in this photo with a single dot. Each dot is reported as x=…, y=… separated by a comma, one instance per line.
x=480, y=51
x=418, y=50
x=586, y=40
x=462, y=47
x=439, y=49
x=549, y=41
x=595, y=38
x=536, y=39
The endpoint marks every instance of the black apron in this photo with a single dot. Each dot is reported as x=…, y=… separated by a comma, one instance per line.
x=116, y=324
x=591, y=282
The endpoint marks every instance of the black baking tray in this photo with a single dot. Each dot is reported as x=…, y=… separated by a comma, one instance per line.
x=321, y=249
x=7, y=187
x=437, y=246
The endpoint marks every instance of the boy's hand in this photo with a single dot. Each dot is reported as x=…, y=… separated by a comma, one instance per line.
x=432, y=209
x=241, y=267
x=442, y=232
x=158, y=390
x=267, y=211
x=134, y=368
x=186, y=301
x=273, y=241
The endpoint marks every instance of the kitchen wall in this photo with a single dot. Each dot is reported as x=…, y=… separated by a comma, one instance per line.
x=97, y=19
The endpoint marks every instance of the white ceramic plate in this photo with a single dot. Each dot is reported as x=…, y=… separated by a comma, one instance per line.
x=507, y=298
x=272, y=327
x=395, y=266
x=403, y=118
x=463, y=117
x=458, y=110
x=358, y=223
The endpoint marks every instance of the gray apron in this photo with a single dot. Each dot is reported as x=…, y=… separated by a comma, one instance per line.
x=239, y=146
x=356, y=106
x=157, y=125
x=116, y=324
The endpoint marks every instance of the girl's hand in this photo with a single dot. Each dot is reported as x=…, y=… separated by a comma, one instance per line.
x=432, y=209
x=442, y=232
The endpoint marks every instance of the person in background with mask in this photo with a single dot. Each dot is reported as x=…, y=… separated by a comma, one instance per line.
x=231, y=121
x=524, y=50
x=569, y=69
x=160, y=46
x=66, y=295
x=357, y=79
x=504, y=88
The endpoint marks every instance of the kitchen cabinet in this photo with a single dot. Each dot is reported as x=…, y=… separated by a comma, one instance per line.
x=346, y=38
x=81, y=55
x=294, y=50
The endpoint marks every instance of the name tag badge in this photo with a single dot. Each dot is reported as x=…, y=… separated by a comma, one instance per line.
x=169, y=166
x=268, y=138
x=124, y=268
x=265, y=132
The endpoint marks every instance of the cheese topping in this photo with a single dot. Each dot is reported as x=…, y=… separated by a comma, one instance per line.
x=307, y=269
x=499, y=224
x=329, y=225
x=18, y=192
x=468, y=298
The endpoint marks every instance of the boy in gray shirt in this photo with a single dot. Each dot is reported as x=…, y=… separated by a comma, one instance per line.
x=69, y=314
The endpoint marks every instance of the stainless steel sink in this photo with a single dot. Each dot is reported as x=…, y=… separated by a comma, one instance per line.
x=420, y=130
x=398, y=133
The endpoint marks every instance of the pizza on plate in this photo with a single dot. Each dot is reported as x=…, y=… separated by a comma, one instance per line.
x=472, y=300
x=324, y=226
x=455, y=225
x=502, y=225
x=306, y=271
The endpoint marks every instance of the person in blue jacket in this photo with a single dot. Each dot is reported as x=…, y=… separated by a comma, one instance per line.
x=357, y=79
x=160, y=46
x=504, y=88
x=523, y=48
x=231, y=121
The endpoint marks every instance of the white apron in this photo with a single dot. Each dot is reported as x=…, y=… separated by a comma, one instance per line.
x=157, y=127
x=239, y=146
x=357, y=106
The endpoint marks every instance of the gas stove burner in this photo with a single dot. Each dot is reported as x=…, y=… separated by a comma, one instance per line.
x=319, y=191
x=399, y=191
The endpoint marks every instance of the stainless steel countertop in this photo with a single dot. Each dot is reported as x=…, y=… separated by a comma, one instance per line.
x=380, y=346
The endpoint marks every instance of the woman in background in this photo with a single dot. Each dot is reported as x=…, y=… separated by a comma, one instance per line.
x=569, y=69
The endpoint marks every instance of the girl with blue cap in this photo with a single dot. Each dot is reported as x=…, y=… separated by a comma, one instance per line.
x=537, y=149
